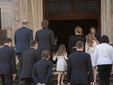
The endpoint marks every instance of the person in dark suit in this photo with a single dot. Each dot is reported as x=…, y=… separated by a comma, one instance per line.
x=22, y=37
x=97, y=36
x=28, y=59
x=45, y=38
x=79, y=70
x=75, y=38
x=42, y=71
x=7, y=63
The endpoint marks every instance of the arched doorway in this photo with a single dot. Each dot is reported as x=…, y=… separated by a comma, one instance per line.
x=65, y=15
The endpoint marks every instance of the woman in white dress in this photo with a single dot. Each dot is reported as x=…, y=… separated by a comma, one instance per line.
x=61, y=57
x=91, y=43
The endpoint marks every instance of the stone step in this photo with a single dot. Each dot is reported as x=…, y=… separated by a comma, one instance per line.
x=16, y=82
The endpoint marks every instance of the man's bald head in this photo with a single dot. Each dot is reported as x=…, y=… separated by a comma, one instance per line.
x=25, y=22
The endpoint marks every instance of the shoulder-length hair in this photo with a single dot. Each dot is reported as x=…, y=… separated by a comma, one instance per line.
x=62, y=50
x=90, y=38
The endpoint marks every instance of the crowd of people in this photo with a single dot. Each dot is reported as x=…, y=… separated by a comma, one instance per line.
x=36, y=57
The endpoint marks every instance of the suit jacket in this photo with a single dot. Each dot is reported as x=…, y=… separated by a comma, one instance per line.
x=28, y=59
x=73, y=40
x=79, y=69
x=45, y=39
x=22, y=37
x=7, y=60
x=98, y=37
x=42, y=72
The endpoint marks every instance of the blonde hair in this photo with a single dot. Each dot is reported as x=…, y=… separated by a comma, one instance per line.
x=90, y=38
x=79, y=30
x=61, y=51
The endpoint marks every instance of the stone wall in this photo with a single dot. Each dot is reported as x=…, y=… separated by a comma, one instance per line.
x=107, y=19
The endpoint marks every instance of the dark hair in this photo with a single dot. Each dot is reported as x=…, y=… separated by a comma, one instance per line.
x=105, y=39
x=79, y=44
x=25, y=22
x=93, y=28
x=7, y=40
x=44, y=23
x=33, y=43
x=45, y=54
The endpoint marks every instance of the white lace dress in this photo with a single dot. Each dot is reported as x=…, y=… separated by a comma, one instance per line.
x=91, y=50
x=61, y=62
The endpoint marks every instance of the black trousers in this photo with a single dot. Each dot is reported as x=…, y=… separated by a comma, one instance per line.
x=104, y=74
x=6, y=79
x=28, y=81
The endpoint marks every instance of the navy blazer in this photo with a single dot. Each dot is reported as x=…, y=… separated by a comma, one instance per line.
x=45, y=39
x=28, y=59
x=7, y=60
x=42, y=72
x=23, y=36
x=79, y=70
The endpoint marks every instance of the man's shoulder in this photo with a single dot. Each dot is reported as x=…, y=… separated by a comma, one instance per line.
x=77, y=53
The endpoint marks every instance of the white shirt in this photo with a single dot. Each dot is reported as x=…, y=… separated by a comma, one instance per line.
x=103, y=55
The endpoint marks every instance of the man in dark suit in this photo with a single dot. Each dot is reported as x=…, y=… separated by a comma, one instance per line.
x=42, y=71
x=28, y=59
x=45, y=38
x=79, y=69
x=22, y=37
x=97, y=36
x=7, y=63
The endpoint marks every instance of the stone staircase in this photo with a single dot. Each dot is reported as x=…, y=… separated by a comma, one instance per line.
x=54, y=77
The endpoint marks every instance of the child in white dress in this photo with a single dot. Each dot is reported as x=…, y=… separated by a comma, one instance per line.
x=61, y=57
x=91, y=43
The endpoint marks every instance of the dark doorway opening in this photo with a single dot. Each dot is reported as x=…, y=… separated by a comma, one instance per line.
x=63, y=29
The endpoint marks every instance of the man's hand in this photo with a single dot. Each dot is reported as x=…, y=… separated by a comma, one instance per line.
x=39, y=84
x=92, y=84
x=43, y=84
x=14, y=75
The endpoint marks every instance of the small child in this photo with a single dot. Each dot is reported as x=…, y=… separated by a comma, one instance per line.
x=61, y=57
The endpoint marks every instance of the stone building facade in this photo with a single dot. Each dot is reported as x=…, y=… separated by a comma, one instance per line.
x=14, y=11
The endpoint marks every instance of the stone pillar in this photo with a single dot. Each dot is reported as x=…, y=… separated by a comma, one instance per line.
x=16, y=19
x=112, y=19
x=24, y=9
x=106, y=19
x=37, y=11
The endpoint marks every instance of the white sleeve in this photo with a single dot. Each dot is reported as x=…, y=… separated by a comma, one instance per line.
x=86, y=47
x=54, y=57
x=112, y=54
x=94, y=61
x=66, y=57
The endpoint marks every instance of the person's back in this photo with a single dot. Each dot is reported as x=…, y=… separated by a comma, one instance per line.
x=79, y=71
x=5, y=59
x=7, y=63
x=79, y=62
x=75, y=38
x=23, y=36
x=45, y=38
x=28, y=59
x=42, y=71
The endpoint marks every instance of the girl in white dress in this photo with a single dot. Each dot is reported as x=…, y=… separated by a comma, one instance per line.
x=61, y=57
x=91, y=43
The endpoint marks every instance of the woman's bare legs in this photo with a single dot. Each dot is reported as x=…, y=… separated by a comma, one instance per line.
x=63, y=74
x=59, y=77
